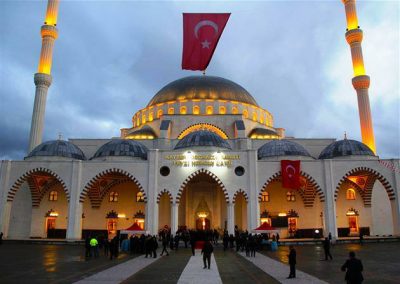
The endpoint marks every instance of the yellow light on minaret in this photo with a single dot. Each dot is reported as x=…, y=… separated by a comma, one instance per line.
x=51, y=13
x=361, y=81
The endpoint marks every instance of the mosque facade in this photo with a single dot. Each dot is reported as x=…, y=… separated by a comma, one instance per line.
x=201, y=155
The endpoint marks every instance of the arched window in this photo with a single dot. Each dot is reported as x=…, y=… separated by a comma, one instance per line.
x=196, y=110
x=261, y=118
x=171, y=110
x=350, y=194
x=209, y=110
x=254, y=116
x=143, y=118
x=245, y=113
x=183, y=110
x=222, y=110
x=113, y=197
x=159, y=113
x=139, y=197
x=290, y=196
x=265, y=196
x=235, y=110
x=151, y=116
x=53, y=195
x=137, y=121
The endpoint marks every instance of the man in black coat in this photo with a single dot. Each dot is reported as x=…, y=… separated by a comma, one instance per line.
x=327, y=247
x=353, y=268
x=292, y=262
x=207, y=251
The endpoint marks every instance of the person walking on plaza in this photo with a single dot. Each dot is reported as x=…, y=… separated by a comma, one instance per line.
x=94, y=247
x=292, y=262
x=327, y=248
x=353, y=268
x=164, y=245
x=154, y=246
x=193, y=243
x=114, y=246
x=206, y=252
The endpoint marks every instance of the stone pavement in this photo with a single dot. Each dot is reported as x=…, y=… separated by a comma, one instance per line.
x=195, y=275
x=280, y=271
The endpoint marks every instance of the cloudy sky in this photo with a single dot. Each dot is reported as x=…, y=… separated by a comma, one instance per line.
x=111, y=57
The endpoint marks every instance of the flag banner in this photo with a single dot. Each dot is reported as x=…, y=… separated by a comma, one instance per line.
x=290, y=174
x=201, y=33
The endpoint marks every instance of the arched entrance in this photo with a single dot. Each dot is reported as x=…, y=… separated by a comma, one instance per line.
x=364, y=204
x=240, y=202
x=296, y=212
x=164, y=200
x=39, y=206
x=202, y=203
x=112, y=201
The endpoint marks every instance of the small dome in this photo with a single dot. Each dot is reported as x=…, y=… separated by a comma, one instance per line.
x=57, y=148
x=202, y=88
x=345, y=147
x=202, y=138
x=281, y=148
x=122, y=147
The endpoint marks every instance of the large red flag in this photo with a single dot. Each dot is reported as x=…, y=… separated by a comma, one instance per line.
x=290, y=174
x=201, y=33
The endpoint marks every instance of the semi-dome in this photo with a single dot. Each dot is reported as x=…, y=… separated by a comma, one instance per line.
x=202, y=88
x=202, y=138
x=281, y=148
x=122, y=147
x=57, y=148
x=346, y=147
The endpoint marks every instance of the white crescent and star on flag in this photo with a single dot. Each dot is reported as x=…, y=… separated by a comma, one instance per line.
x=205, y=43
x=290, y=170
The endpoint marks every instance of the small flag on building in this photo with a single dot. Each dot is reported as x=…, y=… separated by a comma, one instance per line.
x=201, y=33
x=290, y=174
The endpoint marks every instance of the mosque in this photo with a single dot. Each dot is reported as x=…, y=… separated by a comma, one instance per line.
x=203, y=154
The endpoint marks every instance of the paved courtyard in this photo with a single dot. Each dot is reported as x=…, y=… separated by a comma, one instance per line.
x=40, y=263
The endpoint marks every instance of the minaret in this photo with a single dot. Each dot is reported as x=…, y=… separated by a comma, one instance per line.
x=43, y=78
x=354, y=36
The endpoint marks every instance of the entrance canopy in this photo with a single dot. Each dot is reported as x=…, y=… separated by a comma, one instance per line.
x=134, y=229
x=265, y=228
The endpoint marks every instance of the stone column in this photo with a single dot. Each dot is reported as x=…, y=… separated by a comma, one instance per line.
x=396, y=202
x=231, y=217
x=5, y=206
x=330, y=204
x=174, y=217
x=253, y=208
x=74, y=229
x=151, y=205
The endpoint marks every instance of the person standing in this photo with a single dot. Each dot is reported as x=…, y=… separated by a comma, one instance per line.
x=164, y=245
x=292, y=262
x=154, y=246
x=193, y=243
x=327, y=248
x=1, y=238
x=206, y=252
x=353, y=268
x=94, y=247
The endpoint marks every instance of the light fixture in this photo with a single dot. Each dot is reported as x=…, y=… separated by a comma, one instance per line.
x=282, y=214
x=53, y=214
x=121, y=215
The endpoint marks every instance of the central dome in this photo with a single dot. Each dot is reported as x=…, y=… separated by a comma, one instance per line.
x=202, y=88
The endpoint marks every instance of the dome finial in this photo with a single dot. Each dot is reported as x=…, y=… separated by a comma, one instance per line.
x=345, y=135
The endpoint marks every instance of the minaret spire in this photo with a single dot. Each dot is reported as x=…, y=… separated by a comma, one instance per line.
x=43, y=78
x=354, y=36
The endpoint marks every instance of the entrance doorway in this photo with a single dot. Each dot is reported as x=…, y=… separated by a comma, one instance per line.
x=50, y=226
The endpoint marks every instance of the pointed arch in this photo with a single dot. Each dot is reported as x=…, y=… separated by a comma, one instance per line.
x=309, y=188
x=371, y=176
x=210, y=174
x=240, y=191
x=171, y=199
x=203, y=126
x=39, y=181
x=99, y=185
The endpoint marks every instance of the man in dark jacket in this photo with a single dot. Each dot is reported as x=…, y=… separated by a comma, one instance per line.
x=353, y=268
x=292, y=262
x=327, y=248
x=207, y=251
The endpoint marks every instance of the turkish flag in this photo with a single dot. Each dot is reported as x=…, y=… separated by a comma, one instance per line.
x=290, y=174
x=201, y=33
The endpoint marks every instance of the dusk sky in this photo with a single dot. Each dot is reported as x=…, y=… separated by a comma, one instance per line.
x=112, y=57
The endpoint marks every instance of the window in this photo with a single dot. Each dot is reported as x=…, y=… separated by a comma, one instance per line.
x=261, y=118
x=209, y=110
x=254, y=116
x=113, y=196
x=222, y=110
x=265, y=196
x=350, y=194
x=290, y=196
x=196, y=110
x=151, y=116
x=159, y=113
x=235, y=110
x=53, y=195
x=143, y=118
x=183, y=110
x=138, y=121
x=171, y=110
x=245, y=113
x=139, y=197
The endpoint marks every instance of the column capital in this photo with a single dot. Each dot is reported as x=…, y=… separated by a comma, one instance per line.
x=49, y=31
x=41, y=79
x=354, y=35
x=361, y=82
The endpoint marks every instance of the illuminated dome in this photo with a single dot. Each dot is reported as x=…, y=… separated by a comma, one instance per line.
x=345, y=147
x=202, y=88
x=202, y=138
x=281, y=148
x=122, y=147
x=57, y=148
